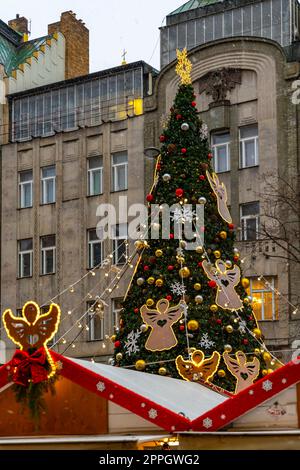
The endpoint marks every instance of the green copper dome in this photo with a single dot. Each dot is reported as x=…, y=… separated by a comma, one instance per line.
x=192, y=4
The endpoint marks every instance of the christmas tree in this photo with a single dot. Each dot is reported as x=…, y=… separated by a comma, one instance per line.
x=187, y=313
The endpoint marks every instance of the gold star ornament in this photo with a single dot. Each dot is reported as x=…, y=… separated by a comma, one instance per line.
x=184, y=67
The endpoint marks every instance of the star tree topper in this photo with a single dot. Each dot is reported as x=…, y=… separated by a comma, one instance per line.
x=184, y=67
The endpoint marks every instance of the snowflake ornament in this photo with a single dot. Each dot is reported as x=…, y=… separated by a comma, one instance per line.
x=207, y=423
x=242, y=327
x=178, y=289
x=100, y=386
x=181, y=215
x=204, y=131
x=267, y=385
x=205, y=342
x=131, y=345
x=152, y=413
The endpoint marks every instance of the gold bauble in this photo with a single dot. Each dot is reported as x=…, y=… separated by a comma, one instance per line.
x=264, y=372
x=119, y=357
x=199, y=249
x=217, y=254
x=221, y=373
x=159, y=282
x=213, y=308
x=184, y=272
x=266, y=356
x=183, y=244
x=197, y=286
x=139, y=245
x=198, y=299
x=113, y=338
x=150, y=280
x=228, y=348
x=247, y=300
x=180, y=259
x=140, y=364
x=223, y=235
x=158, y=253
x=245, y=282
x=270, y=371
x=257, y=352
x=229, y=329
x=257, y=332
x=193, y=325
x=162, y=371
x=150, y=302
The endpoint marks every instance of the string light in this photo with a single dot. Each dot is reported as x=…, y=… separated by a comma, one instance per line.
x=73, y=346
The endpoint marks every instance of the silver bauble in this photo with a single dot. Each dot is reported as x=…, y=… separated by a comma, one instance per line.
x=185, y=126
x=166, y=177
x=202, y=200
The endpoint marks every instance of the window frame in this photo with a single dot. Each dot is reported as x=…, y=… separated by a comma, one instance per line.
x=21, y=254
x=243, y=222
x=91, y=244
x=22, y=184
x=90, y=181
x=215, y=148
x=271, y=280
x=91, y=324
x=44, y=253
x=44, y=181
x=242, y=142
x=114, y=172
x=116, y=311
x=116, y=239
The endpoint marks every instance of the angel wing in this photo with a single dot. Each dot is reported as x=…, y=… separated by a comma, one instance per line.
x=234, y=275
x=47, y=323
x=209, y=271
x=16, y=328
x=185, y=373
x=148, y=315
x=209, y=366
x=176, y=312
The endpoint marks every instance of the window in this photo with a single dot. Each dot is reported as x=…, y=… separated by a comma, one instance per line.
x=48, y=254
x=95, y=249
x=221, y=151
x=48, y=184
x=248, y=146
x=25, y=249
x=95, y=176
x=120, y=245
x=25, y=189
x=45, y=309
x=95, y=323
x=116, y=312
x=119, y=171
x=265, y=304
x=249, y=221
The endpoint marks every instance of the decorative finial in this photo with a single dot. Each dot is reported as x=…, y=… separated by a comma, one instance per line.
x=184, y=67
x=124, y=57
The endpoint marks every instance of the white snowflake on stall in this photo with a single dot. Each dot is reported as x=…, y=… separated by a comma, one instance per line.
x=267, y=385
x=152, y=413
x=131, y=345
x=204, y=131
x=206, y=342
x=207, y=423
x=178, y=289
x=100, y=386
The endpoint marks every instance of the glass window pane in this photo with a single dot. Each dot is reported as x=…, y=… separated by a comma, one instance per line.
x=47, y=114
x=246, y=12
x=276, y=20
x=200, y=31
x=71, y=108
x=92, y=235
x=237, y=22
x=268, y=306
x=228, y=23
x=27, y=195
x=32, y=116
x=257, y=305
x=249, y=131
x=97, y=253
x=25, y=176
x=191, y=39
x=119, y=158
x=96, y=182
x=249, y=147
x=208, y=28
x=266, y=19
x=48, y=241
x=48, y=171
x=173, y=38
x=26, y=245
x=182, y=35
x=221, y=138
x=218, y=29
x=256, y=19
x=222, y=159
x=26, y=264
x=252, y=208
x=251, y=229
x=95, y=162
x=138, y=86
x=49, y=259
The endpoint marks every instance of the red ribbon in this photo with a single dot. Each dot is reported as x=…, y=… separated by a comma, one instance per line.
x=29, y=367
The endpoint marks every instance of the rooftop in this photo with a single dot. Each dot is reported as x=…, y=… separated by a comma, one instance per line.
x=192, y=4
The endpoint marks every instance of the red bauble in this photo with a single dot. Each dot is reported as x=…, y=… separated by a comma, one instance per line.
x=210, y=156
x=200, y=264
x=183, y=150
x=117, y=344
x=181, y=327
x=169, y=298
x=212, y=284
x=179, y=192
x=178, y=117
x=150, y=197
x=235, y=259
x=219, y=321
x=202, y=177
x=250, y=318
x=158, y=166
x=194, y=104
x=162, y=138
x=245, y=341
x=136, y=310
x=231, y=226
x=170, y=268
x=146, y=268
x=171, y=236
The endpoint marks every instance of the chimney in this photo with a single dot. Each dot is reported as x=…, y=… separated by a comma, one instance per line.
x=20, y=24
x=77, y=43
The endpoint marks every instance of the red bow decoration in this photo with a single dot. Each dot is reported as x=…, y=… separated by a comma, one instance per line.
x=29, y=367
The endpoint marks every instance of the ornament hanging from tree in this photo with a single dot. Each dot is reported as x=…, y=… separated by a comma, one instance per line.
x=220, y=192
x=244, y=372
x=225, y=280
x=161, y=321
x=197, y=368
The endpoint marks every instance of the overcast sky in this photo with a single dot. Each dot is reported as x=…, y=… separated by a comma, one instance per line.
x=113, y=24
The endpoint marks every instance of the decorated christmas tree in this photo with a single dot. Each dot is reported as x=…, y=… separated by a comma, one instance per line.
x=187, y=313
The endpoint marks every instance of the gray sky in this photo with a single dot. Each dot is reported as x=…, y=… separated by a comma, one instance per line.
x=113, y=24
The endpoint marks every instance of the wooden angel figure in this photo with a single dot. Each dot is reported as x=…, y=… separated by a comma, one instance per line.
x=197, y=368
x=220, y=192
x=227, y=280
x=244, y=372
x=161, y=321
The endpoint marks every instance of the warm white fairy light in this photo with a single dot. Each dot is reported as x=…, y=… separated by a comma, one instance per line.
x=72, y=290
x=73, y=346
x=93, y=273
x=69, y=312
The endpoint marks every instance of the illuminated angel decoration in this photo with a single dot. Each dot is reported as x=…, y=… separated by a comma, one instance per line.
x=33, y=330
x=220, y=192
x=161, y=321
x=197, y=368
x=244, y=372
x=227, y=280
